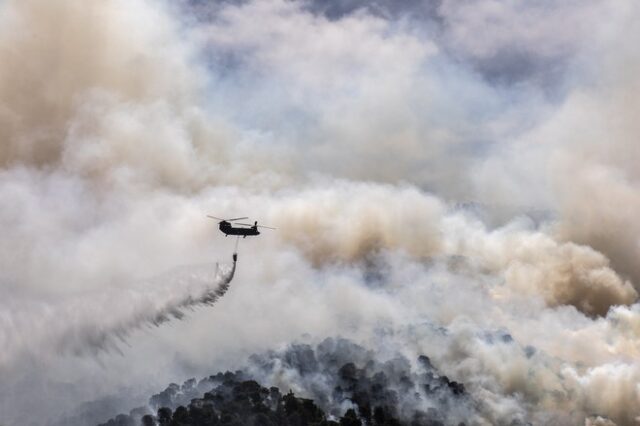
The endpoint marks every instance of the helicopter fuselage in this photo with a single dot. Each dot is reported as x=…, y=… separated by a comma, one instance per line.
x=227, y=229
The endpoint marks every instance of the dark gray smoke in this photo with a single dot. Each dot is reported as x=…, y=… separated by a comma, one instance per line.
x=89, y=325
x=161, y=299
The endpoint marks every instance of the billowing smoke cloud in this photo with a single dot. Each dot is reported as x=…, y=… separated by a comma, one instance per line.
x=376, y=218
x=588, y=145
x=441, y=176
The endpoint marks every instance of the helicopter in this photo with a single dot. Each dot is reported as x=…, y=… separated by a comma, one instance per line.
x=227, y=228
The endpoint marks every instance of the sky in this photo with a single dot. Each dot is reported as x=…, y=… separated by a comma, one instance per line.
x=468, y=166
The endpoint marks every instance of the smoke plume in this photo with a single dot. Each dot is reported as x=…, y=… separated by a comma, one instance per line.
x=450, y=179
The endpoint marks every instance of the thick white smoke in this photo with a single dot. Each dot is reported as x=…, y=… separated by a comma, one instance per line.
x=435, y=190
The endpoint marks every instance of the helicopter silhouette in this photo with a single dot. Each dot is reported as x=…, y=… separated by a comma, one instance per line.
x=244, y=230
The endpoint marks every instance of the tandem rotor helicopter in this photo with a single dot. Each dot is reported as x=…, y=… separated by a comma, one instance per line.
x=244, y=230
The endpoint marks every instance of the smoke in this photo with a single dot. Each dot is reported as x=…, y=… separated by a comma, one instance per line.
x=56, y=55
x=337, y=374
x=376, y=218
x=87, y=324
x=434, y=190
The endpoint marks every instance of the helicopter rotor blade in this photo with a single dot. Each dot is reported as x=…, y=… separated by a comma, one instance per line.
x=237, y=218
x=227, y=220
x=241, y=224
x=259, y=226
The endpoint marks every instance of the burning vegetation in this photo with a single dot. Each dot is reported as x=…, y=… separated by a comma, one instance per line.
x=336, y=384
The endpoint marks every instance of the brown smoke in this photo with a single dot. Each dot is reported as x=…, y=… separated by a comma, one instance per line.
x=55, y=54
x=349, y=223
